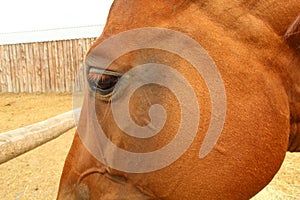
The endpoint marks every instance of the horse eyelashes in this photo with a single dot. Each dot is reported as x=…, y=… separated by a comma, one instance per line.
x=102, y=81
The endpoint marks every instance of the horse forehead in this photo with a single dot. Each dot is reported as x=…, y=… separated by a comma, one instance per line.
x=126, y=15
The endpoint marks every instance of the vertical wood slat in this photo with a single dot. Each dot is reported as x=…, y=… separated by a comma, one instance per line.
x=23, y=66
x=35, y=62
x=8, y=69
x=2, y=72
x=14, y=67
x=66, y=65
x=28, y=68
x=19, y=70
x=55, y=64
x=11, y=64
x=72, y=66
x=37, y=70
x=61, y=67
x=79, y=52
x=46, y=67
x=76, y=62
x=50, y=64
x=42, y=67
x=31, y=68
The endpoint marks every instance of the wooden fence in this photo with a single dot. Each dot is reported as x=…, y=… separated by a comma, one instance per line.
x=42, y=67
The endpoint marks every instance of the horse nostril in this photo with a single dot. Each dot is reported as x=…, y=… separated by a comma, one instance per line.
x=116, y=178
x=82, y=192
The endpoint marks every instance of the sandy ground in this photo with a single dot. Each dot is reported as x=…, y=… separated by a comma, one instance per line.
x=17, y=110
x=35, y=175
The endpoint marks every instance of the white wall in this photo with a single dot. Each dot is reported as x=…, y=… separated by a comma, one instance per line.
x=26, y=18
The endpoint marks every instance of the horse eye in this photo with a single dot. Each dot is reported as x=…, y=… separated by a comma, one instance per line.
x=103, y=82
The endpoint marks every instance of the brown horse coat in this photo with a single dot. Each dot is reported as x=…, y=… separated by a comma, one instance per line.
x=255, y=45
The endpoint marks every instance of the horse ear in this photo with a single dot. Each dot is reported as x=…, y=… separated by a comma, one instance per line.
x=292, y=35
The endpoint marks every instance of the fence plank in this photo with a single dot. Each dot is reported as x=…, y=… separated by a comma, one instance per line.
x=18, y=69
x=71, y=65
x=76, y=62
x=54, y=64
x=50, y=66
x=46, y=67
x=66, y=65
x=61, y=67
x=29, y=67
x=14, y=67
x=8, y=69
x=23, y=67
x=42, y=67
x=33, y=68
x=2, y=76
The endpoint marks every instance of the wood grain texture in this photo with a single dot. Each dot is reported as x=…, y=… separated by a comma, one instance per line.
x=42, y=67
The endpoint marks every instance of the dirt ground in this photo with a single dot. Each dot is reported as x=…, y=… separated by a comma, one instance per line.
x=35, y=175
x=17, y=110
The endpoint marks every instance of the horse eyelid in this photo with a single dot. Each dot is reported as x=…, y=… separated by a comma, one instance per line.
x=93, y=81
x=103, y=71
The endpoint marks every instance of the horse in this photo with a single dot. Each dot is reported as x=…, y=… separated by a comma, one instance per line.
x=187, y=99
